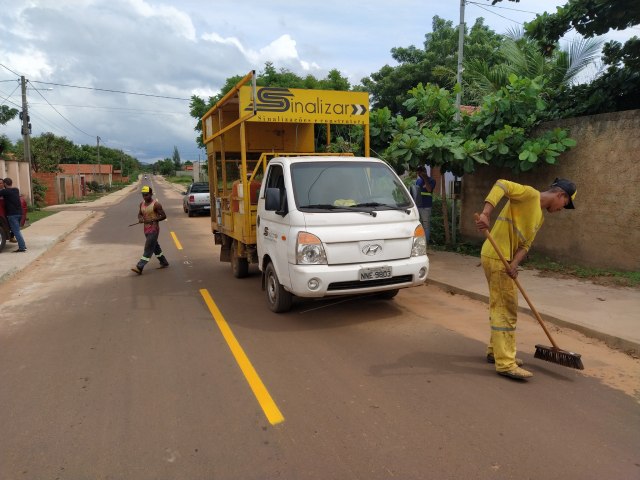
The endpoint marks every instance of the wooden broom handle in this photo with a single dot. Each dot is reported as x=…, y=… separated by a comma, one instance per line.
x=487, y=233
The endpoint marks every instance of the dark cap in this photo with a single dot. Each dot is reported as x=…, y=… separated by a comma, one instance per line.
x=569, y=188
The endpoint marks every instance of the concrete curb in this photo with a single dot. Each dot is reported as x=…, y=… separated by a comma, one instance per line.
x=612, y=341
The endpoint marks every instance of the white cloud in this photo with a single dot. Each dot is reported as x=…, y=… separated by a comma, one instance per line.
x=281, y=51
x=160, y=47
x=175, y=19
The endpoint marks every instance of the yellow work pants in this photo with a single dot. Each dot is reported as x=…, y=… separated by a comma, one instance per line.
x=503, y=314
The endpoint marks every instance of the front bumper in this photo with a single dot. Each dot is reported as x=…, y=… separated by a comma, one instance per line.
x=345, y=279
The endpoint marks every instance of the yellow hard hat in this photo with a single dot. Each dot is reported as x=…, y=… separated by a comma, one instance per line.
x=145, y=189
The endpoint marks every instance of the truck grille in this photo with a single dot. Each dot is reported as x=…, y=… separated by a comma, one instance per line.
x=356, y=284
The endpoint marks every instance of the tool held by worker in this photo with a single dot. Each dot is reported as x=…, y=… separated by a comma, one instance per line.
x=138, y=223
x=552, y=354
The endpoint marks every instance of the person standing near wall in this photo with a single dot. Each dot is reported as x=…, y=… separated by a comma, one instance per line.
x=13, y=208
x=426, y=186
x=514, y=232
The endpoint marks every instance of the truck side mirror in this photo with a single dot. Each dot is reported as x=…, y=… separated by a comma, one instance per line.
x=274, y=201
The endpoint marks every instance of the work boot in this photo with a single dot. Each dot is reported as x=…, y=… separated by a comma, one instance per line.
x=164, y=263
x=13, y=240
x=491, y=359
x=517, y=373
x=137, y=269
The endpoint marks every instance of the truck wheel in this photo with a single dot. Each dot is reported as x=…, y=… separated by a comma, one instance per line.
x=389, y=294
x=190, y=212
x=278, y=298
x=239, y=265
x=3, y=237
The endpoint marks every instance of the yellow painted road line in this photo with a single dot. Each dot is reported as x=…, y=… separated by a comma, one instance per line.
x=259, y=390
x=176, y=241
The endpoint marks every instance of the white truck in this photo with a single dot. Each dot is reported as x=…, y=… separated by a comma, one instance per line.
x=315, y=224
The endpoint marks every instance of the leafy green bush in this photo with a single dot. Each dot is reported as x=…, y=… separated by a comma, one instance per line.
x=39, y=191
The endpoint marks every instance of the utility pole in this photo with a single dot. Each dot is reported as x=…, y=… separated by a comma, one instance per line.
x=458, y=115
x=26, y=133
x=460, y=52
x=98, y=146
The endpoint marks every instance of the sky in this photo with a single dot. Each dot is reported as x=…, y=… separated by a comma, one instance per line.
x=77, y=55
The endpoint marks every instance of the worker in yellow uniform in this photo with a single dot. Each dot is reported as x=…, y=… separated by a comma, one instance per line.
x=514, y=230
x=150, y=213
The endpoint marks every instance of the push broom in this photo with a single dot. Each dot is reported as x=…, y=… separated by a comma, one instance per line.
x=550, y=354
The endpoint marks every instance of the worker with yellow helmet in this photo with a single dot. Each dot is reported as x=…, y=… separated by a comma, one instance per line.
x=150, y=213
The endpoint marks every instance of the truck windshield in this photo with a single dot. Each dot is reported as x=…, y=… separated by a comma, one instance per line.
x=325, y=185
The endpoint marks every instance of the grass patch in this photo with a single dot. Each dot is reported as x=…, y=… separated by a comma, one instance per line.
x=601, y=276
x=38, y=214
x=180, y=180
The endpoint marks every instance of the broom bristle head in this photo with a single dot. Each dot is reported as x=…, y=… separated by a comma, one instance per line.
x=561, y=357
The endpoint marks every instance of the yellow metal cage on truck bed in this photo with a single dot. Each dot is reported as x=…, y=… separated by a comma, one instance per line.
x=244, y=130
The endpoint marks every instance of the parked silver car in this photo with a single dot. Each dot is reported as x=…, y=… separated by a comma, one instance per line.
x=196, y=199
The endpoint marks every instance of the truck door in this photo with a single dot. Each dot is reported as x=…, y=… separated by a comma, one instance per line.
x=272, y=232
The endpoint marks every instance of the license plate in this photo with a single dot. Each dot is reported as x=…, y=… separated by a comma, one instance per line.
x=377, y=273
x=207, y=207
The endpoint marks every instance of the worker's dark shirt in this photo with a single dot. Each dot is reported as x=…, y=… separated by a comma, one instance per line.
x=12, y=203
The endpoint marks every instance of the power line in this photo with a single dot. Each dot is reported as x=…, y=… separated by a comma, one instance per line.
x=14, y=91
x=123, y=109
x=113, y=91
x=16, y=74
x=67, y=120
x=494, y=13
x=505, y=8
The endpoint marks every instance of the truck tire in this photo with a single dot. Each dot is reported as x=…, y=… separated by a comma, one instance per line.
x=389, y=294
x=190, y=212
x=278, y=298
x=239, y=265
x=3, y=236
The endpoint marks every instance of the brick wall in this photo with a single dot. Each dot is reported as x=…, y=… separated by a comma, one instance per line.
x=48, y=180
x=604, y=230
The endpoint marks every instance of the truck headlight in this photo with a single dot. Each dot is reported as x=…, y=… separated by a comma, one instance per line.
x=419, y=246
x=309, y=250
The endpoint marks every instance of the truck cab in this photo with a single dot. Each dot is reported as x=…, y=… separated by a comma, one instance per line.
x=336, y=226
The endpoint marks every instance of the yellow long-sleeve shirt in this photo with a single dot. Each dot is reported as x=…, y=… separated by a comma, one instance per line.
x=519, y=220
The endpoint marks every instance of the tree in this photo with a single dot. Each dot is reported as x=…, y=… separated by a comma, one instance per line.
x=176, y=159
x=521, y=56
x=435, y=63
x=587, y=17
x=6, y=145
x=164, y=167
x=499, y=133
x=48, y=151
x=7, y=114
x=617, y=88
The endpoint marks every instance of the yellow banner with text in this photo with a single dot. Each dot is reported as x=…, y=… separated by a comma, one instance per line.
x=292, y=105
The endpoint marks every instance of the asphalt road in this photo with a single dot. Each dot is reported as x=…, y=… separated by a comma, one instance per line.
x=108, y=375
